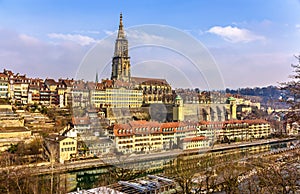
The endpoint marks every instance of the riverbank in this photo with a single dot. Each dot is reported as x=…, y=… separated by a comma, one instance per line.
x=48, y=168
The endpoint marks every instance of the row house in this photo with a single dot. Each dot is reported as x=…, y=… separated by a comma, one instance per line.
x=34, y=91
x=144, y=136
x=80, y=94
x=45, y=95
x=25, y=90
x=259, y=128
x=65, y=91
x=52, y=85
x=90, y=135
x=4, y=86
x=81, y=124
x=235, y=130
x=196, y=142
x=19, y=91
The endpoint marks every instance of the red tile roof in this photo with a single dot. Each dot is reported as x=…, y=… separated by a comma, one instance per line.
x=145, y=127
x=256, y=121
x=198, y=138
x=3, y=75
x=80, y=121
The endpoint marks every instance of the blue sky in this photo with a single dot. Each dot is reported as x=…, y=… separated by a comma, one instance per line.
x=252, y=41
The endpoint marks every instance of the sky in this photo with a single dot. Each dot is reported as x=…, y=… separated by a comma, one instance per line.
x=252, y=43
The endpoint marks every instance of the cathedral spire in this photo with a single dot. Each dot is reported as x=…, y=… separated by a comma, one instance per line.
x=121, y=59
x=97, y=79
x=121, y=33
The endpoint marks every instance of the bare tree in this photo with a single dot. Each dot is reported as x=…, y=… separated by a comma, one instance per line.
x=293, y=87
x=194, y=175
x=275, y=174
x=120, y=168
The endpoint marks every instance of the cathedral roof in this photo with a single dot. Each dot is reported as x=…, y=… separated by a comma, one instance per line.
x=146, y=80
x=120, y=83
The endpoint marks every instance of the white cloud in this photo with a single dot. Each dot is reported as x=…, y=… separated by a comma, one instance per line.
x=297, y=27
x=235, y=34
x=28, y=39
x=108, y=32
x=35, y=57
x=77, y=38
x=146, y=38
x=87, y=31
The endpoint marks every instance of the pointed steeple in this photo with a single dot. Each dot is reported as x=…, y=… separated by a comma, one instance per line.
x=121, y=33
x=121, y=59
x=96, y=80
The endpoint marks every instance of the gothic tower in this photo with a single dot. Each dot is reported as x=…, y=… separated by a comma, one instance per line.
x=121, y=60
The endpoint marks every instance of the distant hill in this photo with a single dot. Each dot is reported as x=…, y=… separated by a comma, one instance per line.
x=270, y=95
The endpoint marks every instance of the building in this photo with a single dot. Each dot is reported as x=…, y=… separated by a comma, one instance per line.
x=67, y=94
x=52, y=85
x=231, y=101
x=61, y=90
x=112, y=94
x=19, y=88
x=34, y=90
x=235, y=130
x=45, y=95
x=147, y=136
x=123, y=90
x=82, y=125
x=197, y=142
x=121, y=59
x=178, y=109
x=98, y=146
x=61, y=148
x=155, y=90
x=258, y=128
x=80, y=94
x=4, y=86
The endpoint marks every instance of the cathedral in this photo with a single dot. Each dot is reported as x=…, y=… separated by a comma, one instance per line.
x=121, y=60
x=154, y=90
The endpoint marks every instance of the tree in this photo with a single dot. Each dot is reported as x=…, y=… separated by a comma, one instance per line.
x=293, y=87
x=194, y=175
x=120, y=168
x=272, y=174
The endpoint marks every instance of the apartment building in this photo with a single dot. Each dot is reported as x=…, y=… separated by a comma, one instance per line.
x=197, y=142
x=258, y=128
x=80, y=94
x=235, y=130
x=4, y=86
x=144, y=136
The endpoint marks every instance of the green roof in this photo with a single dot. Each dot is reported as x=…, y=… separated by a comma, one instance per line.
x=231, y=98
x=178, y=97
